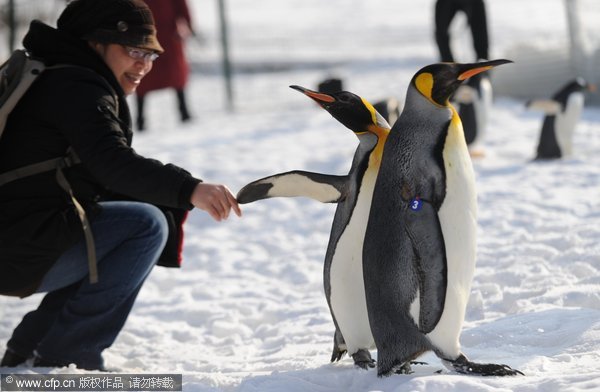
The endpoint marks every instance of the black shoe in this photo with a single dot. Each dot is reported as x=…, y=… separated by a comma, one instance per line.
x=141, y=124
x=12, y=359
x=41, y=362
x=185, y=117
x=184, y=113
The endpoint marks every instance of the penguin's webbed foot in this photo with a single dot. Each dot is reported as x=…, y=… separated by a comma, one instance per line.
x=464, y=366
x=362, y=359
x=406, y=368
x=403, y=369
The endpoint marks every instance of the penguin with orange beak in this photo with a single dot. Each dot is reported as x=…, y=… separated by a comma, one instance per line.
x=420, y=242
x=343, y=268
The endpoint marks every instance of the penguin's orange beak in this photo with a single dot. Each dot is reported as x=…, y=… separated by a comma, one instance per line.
x=321, y=98
x=592, y=88
x=472, y=72
x=476, y=68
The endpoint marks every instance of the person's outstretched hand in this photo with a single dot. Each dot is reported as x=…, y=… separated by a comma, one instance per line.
x=216, y=199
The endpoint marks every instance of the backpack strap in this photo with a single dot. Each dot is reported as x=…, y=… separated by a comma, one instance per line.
x=59, y=164
x=40, y=167
x=85, y=225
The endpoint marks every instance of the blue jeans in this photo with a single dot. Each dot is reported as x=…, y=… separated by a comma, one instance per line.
x=77, y=320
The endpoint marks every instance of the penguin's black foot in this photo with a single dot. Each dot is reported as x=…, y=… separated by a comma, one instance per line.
x=403, y=369
x=362, y=359
x=406, y=368
x=463, y=365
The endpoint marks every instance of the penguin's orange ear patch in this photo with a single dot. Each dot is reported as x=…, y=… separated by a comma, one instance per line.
x=472, y=72
x=424, y=83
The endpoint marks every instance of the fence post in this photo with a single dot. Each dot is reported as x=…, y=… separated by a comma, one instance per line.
x=225, y=53
x=577, y=48
x=12, y=26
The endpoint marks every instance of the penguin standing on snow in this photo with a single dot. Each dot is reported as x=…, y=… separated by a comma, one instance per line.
x=343, y=269
x=419, y=246
x=562, y=111
x=474, y=101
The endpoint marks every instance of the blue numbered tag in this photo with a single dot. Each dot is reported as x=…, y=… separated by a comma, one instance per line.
x=416, y=204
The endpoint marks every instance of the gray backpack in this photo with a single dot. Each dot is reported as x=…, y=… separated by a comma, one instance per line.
x=17, y=75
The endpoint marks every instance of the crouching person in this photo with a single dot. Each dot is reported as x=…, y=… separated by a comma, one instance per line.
x=89, y=230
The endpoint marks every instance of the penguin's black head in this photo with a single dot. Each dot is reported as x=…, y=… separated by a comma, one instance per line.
x=578, y=85
x=437, y=82
x=354, y=112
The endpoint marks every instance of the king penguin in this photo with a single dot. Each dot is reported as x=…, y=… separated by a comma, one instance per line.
x=343, y=275
x=562, y=112
x=474, y=101
x=419, y=246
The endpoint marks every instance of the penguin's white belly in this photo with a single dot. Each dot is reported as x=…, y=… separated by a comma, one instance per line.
x=565, y=122
x=458, y=220
x=347, y=298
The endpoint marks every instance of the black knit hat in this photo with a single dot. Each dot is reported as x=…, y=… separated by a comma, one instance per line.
x=125, y=22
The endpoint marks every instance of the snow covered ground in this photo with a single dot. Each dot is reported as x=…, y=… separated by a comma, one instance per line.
x=247, y=312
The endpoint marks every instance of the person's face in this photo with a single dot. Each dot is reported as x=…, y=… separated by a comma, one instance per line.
x=129, y=65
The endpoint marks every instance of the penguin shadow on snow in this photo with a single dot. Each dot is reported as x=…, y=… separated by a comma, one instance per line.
x=403, y=292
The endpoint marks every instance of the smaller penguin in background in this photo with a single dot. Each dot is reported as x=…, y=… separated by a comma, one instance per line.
x=474, y=101
x=562, y=111
x=389, y=107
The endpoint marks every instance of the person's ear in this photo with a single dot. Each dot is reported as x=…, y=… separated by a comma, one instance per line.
x=97, y=46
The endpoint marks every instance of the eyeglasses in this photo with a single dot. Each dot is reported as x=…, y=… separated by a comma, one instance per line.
x=141, y=54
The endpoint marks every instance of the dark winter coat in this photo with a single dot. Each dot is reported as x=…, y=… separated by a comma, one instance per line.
x=70, y=107
x=170, y=69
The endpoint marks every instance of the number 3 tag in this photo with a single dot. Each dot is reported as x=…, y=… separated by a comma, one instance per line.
x=416, y=204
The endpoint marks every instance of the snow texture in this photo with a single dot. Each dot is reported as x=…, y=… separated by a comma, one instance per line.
x=248, y=313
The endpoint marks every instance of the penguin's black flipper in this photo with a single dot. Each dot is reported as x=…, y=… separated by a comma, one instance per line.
x=425, y=233
x=321, y=187
x=464, y=366
x=339, y=346
x=389, y=252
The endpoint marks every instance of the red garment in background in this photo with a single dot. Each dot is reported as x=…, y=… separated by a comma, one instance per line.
x=170, y=69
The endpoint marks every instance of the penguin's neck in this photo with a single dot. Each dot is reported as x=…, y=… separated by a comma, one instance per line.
x=430, y=120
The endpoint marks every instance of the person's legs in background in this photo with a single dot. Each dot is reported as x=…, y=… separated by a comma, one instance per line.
x=478, y=22
x=184, y=113
x=445, y=10
x=141, y=120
